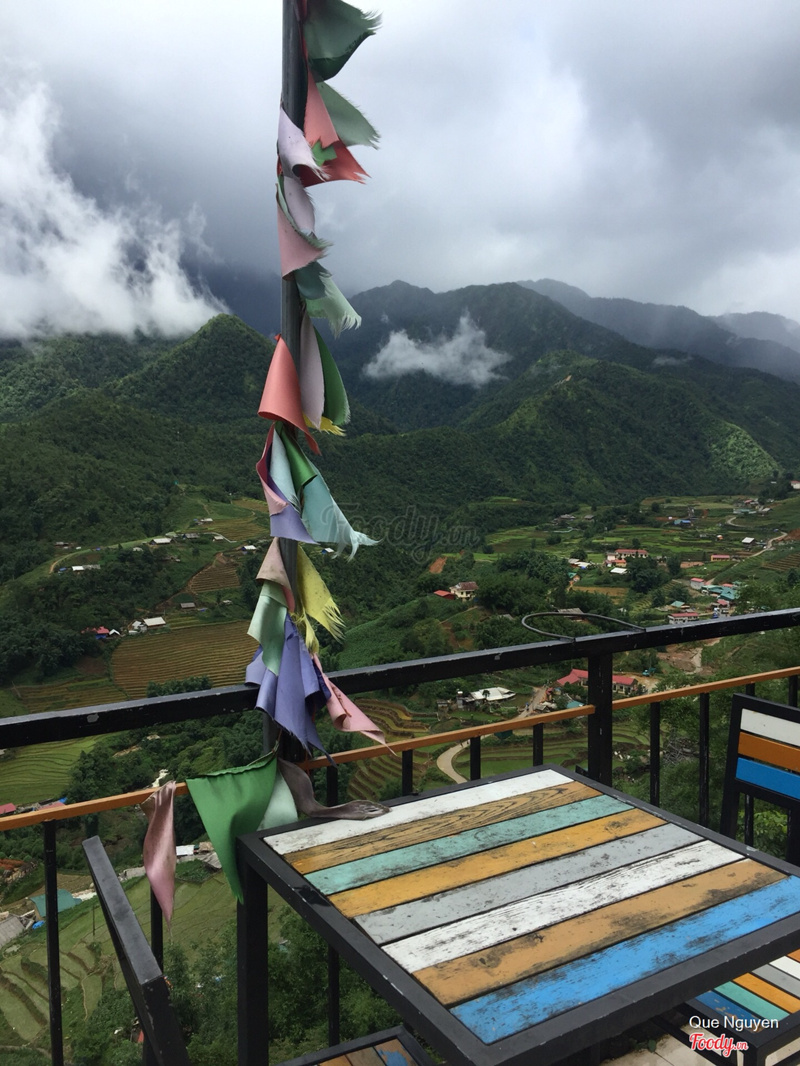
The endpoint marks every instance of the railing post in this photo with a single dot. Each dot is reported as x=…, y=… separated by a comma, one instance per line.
x=332, y=785
x=703, y=761
x=53, y=959
x=655, y=754
x=474, y=758
x=600, y=723
x=407, y=771
x=792, y=694
x=538, y=745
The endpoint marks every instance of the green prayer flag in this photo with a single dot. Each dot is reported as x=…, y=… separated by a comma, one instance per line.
x=337, y=406
x=303, y=470
x=332, y=31
x=351, y=126
x=232, y=802
x=310, y=281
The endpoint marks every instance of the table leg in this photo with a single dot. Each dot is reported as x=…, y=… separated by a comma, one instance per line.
x=252, y=970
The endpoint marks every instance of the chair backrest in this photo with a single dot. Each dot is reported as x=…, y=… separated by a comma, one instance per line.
x=146, y=983
x=763, y=762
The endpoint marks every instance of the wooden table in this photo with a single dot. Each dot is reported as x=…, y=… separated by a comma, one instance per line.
x=519, y=919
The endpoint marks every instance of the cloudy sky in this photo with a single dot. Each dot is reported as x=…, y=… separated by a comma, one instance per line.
x=640, y=149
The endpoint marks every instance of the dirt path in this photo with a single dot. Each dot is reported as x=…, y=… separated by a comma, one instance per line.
x=445, y=762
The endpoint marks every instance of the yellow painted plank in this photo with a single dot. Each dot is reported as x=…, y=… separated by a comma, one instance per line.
x=473, y=975
x=770, y=751
x=771, y=993
x=378, y=842
x=458, y=872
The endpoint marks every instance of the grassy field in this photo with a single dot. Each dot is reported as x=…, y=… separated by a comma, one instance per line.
x=221, y=650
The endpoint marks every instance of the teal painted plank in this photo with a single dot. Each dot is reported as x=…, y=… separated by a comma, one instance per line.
x=430, y=853
x=750, y=1001
x=532, y=1001
x=725, y=1006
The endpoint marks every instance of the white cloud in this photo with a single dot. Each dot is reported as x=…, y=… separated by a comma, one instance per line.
x=463, y=359
x=68, y=265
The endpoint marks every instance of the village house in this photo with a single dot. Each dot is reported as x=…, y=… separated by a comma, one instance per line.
x=464, y=590
x=619, y=682
x=681, y=618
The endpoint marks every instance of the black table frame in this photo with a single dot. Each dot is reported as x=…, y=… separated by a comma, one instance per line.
x=544, y=1043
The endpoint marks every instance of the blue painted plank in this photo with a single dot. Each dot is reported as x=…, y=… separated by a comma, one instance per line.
x=531, y=1001
x=757, y=773
x=431, y=852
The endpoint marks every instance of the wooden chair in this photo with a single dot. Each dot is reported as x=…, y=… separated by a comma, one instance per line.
x=149, y=990
x=763, y=762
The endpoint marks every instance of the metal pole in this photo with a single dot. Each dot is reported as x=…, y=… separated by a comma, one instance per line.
x=293, y=101
x=53, y=960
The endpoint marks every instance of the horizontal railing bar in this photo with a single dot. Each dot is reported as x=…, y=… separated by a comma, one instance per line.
x=23, y=730
x=707, y=686
x=131, y=799
x=455, y=736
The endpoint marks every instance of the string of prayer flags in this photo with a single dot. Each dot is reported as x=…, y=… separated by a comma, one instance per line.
x=347, y=717
x=304, y=390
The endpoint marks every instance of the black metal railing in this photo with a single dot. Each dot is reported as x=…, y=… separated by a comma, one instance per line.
x=598, y=651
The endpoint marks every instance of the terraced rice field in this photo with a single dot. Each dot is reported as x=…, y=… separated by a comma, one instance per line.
x=42, y=772
x=76, y=692
x=221, y=574
x=241, y=529
x=201, y=911
x=221, y=651
x=397, y=724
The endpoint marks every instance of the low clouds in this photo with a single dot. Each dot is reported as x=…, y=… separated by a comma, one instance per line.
x=463, y=359
x=69, y=265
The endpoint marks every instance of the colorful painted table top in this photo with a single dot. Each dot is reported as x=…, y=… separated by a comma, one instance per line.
x=531, y=912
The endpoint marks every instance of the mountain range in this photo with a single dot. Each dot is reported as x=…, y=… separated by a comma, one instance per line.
x=485, y=407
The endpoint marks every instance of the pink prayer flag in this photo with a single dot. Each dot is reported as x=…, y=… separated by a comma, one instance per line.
x=345, y=715
x=296, y=252
x=318, y=125
x=272, y=569
x=159, y=853
x=312, y=379
x=280, y=399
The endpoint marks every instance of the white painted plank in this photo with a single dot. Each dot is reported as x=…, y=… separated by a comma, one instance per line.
x=790, y=966
x=547, y=908
x=764, y=725
x=329, y=832
x=396, y=923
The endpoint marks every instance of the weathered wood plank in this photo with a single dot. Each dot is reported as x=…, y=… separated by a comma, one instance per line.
x=531, y=1001
x=396, y=923
x=771, y=993
x=743, y=999
x=469, y=842
x=474, y=975
x=769, y=751
x=771, y=726
x=491, y=863
x=328, y=832
x=546, y=908
x=789, y=965
x=770, y=777
x=777, y=976
x=389, y=836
